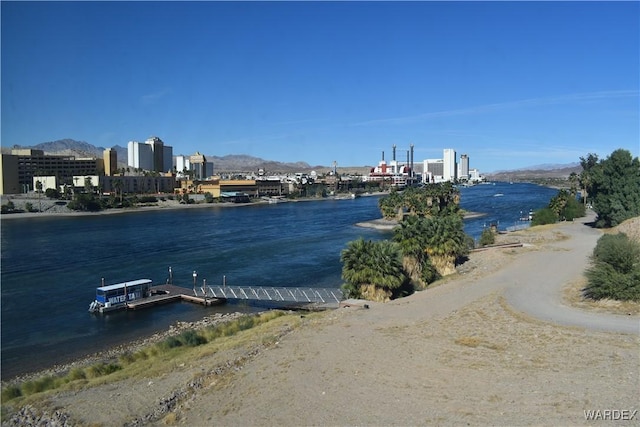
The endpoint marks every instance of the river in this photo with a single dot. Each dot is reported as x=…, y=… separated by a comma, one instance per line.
x=52, y=265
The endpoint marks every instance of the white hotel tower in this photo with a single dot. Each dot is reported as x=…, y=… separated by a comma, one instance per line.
x=152, y=155
x=449, y=160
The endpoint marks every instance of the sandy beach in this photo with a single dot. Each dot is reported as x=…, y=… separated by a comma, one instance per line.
x=474, y=349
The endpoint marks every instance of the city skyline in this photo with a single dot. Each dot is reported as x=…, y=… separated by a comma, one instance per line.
x=511, y=84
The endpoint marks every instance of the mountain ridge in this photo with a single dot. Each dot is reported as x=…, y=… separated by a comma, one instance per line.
x=247, y=163
x=228, y=163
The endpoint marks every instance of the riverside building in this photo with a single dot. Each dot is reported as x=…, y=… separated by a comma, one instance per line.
x=394, y=173
x=18, y=169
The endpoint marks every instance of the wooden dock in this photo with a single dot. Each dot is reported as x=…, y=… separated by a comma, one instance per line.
x=163, y=294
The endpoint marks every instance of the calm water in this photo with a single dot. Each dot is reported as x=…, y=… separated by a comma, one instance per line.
x=51, y=266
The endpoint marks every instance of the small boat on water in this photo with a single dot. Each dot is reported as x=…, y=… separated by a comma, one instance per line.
x=528, y=217
x=116, y=296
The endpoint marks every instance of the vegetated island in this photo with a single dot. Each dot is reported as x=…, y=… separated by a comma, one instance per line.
x=388, y=224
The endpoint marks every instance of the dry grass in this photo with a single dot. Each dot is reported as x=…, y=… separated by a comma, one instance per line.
x=630, y=227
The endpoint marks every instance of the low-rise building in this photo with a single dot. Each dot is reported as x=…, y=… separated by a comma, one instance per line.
x=18, y=169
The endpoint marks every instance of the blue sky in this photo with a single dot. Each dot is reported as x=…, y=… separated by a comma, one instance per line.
x=511, y=84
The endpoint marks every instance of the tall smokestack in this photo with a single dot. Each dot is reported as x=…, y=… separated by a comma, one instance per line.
x=411, y=164
x=407, y=158
x=383, y=155
x=394, y=152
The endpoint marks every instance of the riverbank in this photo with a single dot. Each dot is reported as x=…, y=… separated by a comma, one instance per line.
x=53, y=208
x=457, y=353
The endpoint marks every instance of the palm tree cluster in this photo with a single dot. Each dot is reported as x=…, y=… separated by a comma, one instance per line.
x=428, y=200
x=427, y=242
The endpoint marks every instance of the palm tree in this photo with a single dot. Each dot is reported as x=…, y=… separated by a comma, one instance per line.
x=117, y=185
x=410, y=235
x=588, y=165
x=446, y=242
x=39, y=190
x=372, y=270
x=391, y=205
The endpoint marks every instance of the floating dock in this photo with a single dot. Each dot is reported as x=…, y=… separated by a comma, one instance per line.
x=271, y=297
x=162, y=294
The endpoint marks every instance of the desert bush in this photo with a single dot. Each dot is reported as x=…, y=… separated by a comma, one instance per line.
x=573, y=209
x=191, y=338
x=615, y=269
x=544, y=216
x=170, y=342
x=37, y=386
x=10, y=392
x=127, y=358
x=487, y=237
x=102, y=369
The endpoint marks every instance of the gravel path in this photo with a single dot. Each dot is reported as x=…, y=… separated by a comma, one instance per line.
x=538, y=281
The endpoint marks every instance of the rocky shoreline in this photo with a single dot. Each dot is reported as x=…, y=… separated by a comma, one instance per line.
x=133, y=346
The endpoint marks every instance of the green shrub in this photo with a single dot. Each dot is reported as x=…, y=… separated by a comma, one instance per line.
x=127, y=358
x=544, y=216
x=615, y=270
x=170, y=342
x=38, y=386
x=10, y=392
x=147, y=199
x=487, y=237
x=8, y=207
x=52, y=193
x=102, y=369
x=76, y=374
x=573, y=209
x=191, y=338
x=618, y=251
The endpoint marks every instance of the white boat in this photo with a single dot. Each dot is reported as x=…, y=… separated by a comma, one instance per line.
x=116, y=296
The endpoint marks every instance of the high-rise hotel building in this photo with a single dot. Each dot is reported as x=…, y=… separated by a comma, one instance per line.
x=463, y=167
x=449, y=160
x=151, y=155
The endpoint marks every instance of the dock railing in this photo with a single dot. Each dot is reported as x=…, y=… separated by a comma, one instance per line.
x=276, y=294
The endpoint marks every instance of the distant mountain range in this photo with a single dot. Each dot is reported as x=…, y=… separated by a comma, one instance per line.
x=245, y=163
x=536, y=172
x=230, y=163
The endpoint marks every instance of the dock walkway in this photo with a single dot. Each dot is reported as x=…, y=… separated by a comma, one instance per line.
x=163, y=294
x=282, y=297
